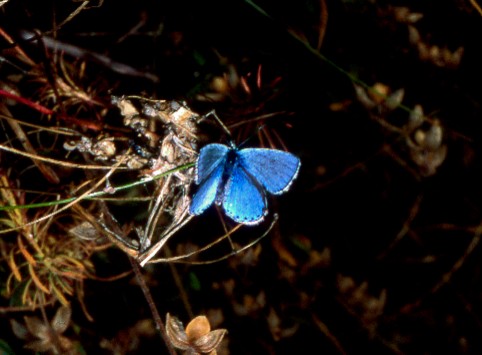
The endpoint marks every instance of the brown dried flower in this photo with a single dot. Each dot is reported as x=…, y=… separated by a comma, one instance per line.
x=46, y=337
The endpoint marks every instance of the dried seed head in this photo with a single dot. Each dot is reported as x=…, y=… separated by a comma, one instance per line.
x=380, y=97
x=104, y=149
x=197, y=338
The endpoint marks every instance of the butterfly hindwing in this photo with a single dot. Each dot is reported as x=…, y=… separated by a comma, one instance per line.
x=244, y=199
x=274, y=169
x=209, y=173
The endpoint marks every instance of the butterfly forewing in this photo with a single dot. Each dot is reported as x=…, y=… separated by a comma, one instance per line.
x=210, y=157
x=274, y=169
x=244, y=199
x=209, y=173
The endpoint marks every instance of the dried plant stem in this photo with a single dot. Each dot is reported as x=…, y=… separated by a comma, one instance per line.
x=47, y=172
x=77, y=11
x=46, y=111
x=156, y=212
x=476, y=6
x=179, y=259
x=405, y=228
x=326, y=331
x=20, y=53
x=70, y=204
x=37, y=158
x=323, y=23
x=447, y=277
x=155, y=314
x=179, y=284
x=147, y=256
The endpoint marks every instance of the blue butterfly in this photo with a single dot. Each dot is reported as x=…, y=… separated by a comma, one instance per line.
x=238, y=180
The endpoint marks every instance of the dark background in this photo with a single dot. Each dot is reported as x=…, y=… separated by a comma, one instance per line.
x=370, y=254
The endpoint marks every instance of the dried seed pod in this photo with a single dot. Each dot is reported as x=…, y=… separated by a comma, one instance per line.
x=104, y=149
x=433, y=137
x=426, y=146
x=380, y=98
x=416, y=118
x=197, y=338
x=427, y=160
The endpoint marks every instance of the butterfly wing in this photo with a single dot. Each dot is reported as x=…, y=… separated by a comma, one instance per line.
x=210, y=157
x=274, y=169
x=209, y=172
x=244, y=199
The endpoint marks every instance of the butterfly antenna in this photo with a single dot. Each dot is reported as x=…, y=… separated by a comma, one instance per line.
x=224, y=127
x=251, y=136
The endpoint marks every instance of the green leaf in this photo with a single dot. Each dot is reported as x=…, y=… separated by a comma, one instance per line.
x=5, y=349
x=194, y=282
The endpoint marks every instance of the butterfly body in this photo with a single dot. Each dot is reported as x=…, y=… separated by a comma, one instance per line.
x=238, y=179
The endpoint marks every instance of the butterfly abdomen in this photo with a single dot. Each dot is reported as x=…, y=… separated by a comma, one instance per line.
x=228, y=170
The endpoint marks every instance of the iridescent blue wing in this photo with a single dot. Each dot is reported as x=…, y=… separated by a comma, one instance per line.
x=274, y=169
x=244, y=198
x=210, y=157
x=209, y=172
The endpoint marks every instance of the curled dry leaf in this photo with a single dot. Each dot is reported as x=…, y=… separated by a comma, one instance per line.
x=176, y=333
